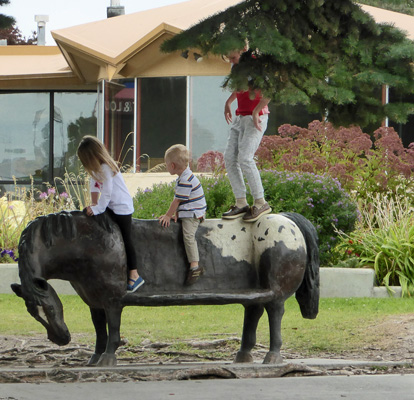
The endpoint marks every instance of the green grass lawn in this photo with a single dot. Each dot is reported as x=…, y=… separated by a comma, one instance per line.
x=342, y=324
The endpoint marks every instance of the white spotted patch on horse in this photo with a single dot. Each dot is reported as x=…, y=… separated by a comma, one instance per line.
x=247, y=241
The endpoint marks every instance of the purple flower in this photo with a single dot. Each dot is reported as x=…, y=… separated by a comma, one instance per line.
x=64, y=195
x=51, y=191
x=43, y=195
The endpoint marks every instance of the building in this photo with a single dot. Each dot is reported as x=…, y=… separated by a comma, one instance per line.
x=108, y=78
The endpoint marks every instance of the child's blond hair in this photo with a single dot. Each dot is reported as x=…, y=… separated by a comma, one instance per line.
x=178, y=154
x=92, y=153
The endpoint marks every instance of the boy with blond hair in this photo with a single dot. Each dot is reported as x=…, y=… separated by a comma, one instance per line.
x=189, y=205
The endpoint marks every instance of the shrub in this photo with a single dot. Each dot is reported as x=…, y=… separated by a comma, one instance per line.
x=384, y=241
x=18, y=208
x=362, y=164
x=318, y=198
x=211, y=161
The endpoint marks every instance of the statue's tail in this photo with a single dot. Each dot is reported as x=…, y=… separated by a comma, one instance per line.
x=307, y=294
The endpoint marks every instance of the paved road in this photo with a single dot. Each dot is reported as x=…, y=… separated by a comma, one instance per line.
x=378, y=387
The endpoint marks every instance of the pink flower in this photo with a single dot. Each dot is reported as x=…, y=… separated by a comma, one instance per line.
x=51, y=191
x=64, y=195
x=43, y=195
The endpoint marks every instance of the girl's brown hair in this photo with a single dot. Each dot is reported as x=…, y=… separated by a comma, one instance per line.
x=92, y=153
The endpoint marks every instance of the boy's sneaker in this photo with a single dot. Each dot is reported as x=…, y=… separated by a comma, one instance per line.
x=193, y=275
x=255, y=213
x=136, y=285
x=235, y=212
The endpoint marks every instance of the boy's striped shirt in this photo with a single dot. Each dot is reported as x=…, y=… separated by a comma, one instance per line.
x=189, y=191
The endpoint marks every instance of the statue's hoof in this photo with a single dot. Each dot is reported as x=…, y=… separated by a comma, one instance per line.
x=93, y=360
x=243, y=357
x=273, y=357
x=107, y=360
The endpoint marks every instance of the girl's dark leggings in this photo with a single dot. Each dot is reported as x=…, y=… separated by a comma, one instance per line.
x=125, y=225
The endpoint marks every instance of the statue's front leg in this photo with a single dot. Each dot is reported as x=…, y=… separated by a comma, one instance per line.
x=113, y=317
x=252, y=316
x=99, y=322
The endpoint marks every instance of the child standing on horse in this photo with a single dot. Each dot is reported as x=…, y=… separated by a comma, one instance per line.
x=245, y=135
x=189, y=205
x=114, y=198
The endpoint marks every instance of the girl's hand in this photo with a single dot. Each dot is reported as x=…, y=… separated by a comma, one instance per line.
x=257, y=121
x=89, y=211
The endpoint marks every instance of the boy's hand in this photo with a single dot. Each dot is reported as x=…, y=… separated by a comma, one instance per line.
x=164, y=220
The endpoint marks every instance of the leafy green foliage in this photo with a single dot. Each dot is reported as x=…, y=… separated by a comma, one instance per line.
x=384, y=240
x=318, y=198
x=326, y=54
x=5, y=20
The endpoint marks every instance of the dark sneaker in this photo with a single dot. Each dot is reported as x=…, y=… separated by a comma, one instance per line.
x=193, y=275
x=235, y=212
x=136, y=285
x=255, y=213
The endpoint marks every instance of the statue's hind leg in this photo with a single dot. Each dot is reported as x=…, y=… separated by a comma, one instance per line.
x=275, y=311
x=99, y=322
x=252, y=316
x=113, y=317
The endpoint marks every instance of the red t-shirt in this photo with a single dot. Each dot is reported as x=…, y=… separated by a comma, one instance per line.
x=245, y=105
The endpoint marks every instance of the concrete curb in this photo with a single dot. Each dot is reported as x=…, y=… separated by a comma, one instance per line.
x=190, y=371
x=335, y=282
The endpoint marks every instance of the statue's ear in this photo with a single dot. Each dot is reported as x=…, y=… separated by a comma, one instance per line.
x=17, y=289
x=40, y=283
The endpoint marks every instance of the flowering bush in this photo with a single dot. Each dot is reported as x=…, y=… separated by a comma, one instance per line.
x=362, y=164
x=211, y=161
x=52, y=201
x=16, y=214
x=319, y=198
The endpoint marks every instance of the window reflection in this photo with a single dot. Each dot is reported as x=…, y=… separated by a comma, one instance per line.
x=24, y=136
x=119, y=121
x=74, y=117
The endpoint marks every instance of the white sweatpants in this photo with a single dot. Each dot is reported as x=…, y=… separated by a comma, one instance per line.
x=244, y=139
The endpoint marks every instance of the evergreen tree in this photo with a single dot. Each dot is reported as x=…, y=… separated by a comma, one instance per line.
x=326, y=54
x=5, y=20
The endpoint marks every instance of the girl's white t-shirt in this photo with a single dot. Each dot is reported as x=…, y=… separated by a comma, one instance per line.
x=114, y=193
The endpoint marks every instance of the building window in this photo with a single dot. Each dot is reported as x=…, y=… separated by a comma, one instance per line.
x=161, y=116
x=40, y=132
x=119, y=129
x=74, y=117
x=405, y=131
x=24, y=137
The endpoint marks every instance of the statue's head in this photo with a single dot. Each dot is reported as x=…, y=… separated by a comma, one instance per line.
x=44, y=305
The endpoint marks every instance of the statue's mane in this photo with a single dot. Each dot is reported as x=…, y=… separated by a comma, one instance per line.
x=51, y=227
x=58, y=225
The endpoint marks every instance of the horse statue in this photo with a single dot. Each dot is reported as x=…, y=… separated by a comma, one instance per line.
x=258, y=265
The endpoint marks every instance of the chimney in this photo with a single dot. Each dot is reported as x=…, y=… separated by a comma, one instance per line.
x=41, y=28
x=114, y=10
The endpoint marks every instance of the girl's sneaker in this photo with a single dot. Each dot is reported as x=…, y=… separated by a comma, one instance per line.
x=136, y=285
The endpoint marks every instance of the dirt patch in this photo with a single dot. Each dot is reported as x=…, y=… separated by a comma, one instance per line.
x=20, y=353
